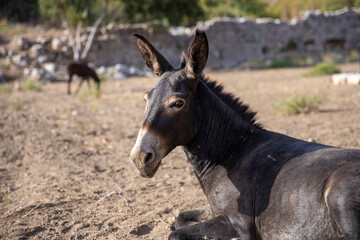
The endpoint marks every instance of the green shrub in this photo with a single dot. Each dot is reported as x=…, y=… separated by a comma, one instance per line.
x=299, y=104
x=323, y=68
x=283, y=63
x=5, y=89
x=29, y=85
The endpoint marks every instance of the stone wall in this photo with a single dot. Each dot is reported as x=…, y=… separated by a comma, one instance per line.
x=237, y=42
x=233, y=43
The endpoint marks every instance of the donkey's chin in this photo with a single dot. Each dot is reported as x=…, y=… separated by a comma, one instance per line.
x=150, y=172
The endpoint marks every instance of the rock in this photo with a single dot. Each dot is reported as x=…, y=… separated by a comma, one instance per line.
x=37, y=50
x=42, y=59
x=21, y=60
x=49, y=77
x=22, y=43
x=40, y=54
x=340, y=78
x=43, y=40
x=34, y=73
x=10, y=53
x=353, y=79
x=27, y=71
x=346, y=78
x=101, y=70
x=50, y=67
x=37, y=73
x=58, y=43
x=3, y=51
x=118, y=75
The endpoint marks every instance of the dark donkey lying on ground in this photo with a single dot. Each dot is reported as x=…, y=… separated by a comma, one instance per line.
x=260, y=184
x=83, y=71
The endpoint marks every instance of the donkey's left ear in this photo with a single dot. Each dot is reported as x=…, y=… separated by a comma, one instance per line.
x=153, y=59
x=197, y=55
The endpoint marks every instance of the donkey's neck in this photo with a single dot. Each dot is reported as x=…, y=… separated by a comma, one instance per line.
x=221, y=133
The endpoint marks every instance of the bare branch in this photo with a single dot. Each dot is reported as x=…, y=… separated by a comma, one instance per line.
x=92, y=35
x=77, y=41
x=67, y=25
x=90, y=39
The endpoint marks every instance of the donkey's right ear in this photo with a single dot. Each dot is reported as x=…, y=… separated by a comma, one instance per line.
x=197, y=55
x=153, y=59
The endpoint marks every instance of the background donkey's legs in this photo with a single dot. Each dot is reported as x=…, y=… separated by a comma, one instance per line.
x=69, y=84
x=88, y=82
x=79, y=86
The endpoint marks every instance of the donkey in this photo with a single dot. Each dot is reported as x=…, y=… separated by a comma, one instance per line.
x=259, y=184
x=82, y=70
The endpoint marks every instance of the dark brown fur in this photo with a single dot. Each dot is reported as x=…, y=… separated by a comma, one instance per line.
x=259, y=184
x=83, y=71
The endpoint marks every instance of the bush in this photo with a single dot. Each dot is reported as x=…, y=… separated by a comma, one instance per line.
x=28, y=85
x=323, y=68
x=299, y=104
x=283, y=63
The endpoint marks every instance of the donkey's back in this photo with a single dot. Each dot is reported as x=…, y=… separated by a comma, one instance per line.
x=322, y=183
x=80, y=69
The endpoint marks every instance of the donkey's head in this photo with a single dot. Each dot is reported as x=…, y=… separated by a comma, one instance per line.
x=170, y=111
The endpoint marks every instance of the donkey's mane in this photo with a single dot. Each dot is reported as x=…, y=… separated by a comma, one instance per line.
x=233, y=102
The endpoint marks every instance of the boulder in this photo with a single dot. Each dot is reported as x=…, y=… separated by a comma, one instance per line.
x=58, y=43
x=22, y=43
x=49, y=77
x=21, y=60
x=43, y=40
x=50, y=67
x=340, y=78
x=3, y=51
x=353, y=79
x=34, y=73
x=37, y=50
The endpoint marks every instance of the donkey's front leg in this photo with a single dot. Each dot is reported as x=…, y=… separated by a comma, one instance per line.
x=79, y=86
x=192, y=217
x=218, y=228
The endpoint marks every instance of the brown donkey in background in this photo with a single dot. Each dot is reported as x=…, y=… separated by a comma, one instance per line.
x=83, y=71
x=259, y=184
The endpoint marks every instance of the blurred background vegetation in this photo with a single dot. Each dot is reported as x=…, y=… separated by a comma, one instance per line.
x=169, y=12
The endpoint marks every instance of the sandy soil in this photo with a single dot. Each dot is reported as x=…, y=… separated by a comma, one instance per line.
x=64, y=168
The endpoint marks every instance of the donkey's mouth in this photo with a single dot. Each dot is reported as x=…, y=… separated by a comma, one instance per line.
x=150, y=173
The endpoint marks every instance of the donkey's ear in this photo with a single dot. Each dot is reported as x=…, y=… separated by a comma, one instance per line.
x=197, y=55
x=183, y=60
x=153, y=59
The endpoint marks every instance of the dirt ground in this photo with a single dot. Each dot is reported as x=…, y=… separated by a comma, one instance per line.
x=64, y=168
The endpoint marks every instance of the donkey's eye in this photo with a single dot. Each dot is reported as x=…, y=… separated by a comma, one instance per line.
x=178, y=104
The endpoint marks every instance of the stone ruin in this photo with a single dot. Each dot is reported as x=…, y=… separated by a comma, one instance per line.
x=238, y=42
x=233, y=43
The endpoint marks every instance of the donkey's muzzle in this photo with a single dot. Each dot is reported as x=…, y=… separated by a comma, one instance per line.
x=145, y=154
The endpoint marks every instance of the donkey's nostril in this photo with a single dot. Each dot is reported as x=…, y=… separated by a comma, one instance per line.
x=148, y=158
